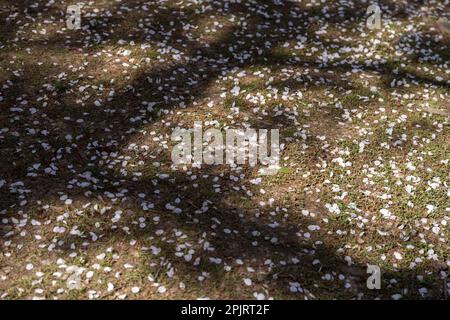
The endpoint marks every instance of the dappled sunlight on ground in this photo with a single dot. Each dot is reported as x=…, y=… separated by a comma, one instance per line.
x=89, y=192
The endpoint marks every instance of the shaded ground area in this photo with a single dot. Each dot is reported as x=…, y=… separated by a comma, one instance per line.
x=92, y=207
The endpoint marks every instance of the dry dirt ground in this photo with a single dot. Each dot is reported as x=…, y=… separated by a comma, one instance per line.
x=92, y=207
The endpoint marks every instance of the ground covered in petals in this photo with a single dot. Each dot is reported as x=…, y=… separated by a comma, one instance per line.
x=92, y=207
